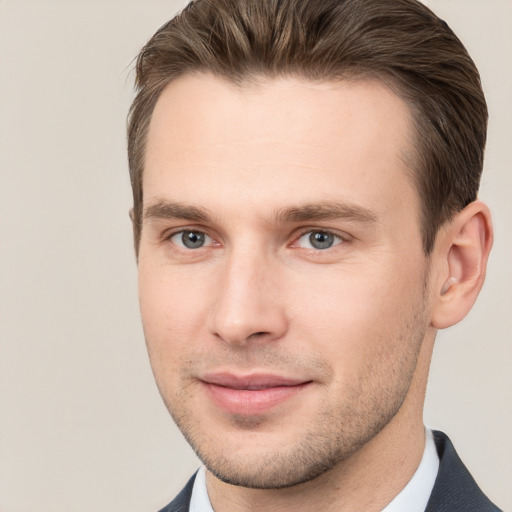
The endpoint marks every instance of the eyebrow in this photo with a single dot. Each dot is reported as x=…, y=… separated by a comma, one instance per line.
x=301, y=213
x=326, y=211
x=175, y=211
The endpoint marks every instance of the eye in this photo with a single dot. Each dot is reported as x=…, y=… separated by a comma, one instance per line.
x=189, y=239
x=319, y=240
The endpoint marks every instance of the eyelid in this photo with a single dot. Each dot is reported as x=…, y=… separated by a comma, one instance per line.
x=168, y=234
x=180, y=243
x=343, y=236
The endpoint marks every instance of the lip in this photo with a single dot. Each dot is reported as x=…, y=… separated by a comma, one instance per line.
x=250, y=395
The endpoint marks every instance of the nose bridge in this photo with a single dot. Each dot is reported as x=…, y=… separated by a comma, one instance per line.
x=246, y=304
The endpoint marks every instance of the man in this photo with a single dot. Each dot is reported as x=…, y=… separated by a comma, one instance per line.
x=305, y=180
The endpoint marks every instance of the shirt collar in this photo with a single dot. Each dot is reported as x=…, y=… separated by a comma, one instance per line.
x=199, y=502
x=415, y=495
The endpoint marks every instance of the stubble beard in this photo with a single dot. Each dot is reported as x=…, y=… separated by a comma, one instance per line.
x=333, y=437
x=328, y=439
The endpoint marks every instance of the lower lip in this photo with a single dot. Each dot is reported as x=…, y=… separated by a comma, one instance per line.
x=251, y=402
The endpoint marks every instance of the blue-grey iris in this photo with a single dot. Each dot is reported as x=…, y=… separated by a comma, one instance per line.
x=321, y=239
x=192, y=239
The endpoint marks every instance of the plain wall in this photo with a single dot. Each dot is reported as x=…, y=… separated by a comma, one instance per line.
x=82, y=427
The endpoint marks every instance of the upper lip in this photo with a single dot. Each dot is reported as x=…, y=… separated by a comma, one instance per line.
x=252, y=381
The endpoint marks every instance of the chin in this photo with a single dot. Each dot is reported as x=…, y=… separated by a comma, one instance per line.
x=261, y=460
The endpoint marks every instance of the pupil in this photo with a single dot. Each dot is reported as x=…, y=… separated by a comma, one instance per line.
x=192, y=239
x=321, y=240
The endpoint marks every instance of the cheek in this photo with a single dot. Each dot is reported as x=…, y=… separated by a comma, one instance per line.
x=167, y=312
x=353, y=317
x=171, y=309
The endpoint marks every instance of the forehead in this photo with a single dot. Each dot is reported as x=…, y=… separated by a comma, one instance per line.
x=335, y=140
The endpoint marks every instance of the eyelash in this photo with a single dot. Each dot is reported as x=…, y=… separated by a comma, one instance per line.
x=339, y=239
x=169, y=236
x=342, y=238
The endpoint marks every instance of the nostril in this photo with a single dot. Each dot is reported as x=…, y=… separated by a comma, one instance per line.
x=258, y=334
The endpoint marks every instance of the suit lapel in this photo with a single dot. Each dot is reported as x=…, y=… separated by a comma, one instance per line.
x=455, y=490
x=182, y=502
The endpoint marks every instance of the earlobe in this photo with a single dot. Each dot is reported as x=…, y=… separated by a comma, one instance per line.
x=463, y=250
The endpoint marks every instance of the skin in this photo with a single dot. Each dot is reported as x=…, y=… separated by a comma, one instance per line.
x=256, y=170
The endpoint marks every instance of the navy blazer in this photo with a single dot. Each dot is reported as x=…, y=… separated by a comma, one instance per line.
x=454, y=490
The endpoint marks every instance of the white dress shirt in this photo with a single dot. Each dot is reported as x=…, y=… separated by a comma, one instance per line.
x=412, y=498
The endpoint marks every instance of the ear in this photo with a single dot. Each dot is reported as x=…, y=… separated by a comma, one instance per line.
x=462, y=250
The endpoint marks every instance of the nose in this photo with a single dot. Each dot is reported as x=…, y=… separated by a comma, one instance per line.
x=248, y=303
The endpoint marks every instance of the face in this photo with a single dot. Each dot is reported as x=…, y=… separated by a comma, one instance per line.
x=281, y=275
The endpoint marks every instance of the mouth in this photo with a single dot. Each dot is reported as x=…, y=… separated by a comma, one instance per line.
x=250, y=395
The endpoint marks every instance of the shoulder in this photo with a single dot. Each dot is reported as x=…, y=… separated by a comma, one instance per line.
x=455, y=489
x=182, y=502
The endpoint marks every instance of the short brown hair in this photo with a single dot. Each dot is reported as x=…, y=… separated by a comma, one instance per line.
x=401, y=42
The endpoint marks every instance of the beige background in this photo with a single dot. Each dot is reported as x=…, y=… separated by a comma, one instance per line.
x=82, y=427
